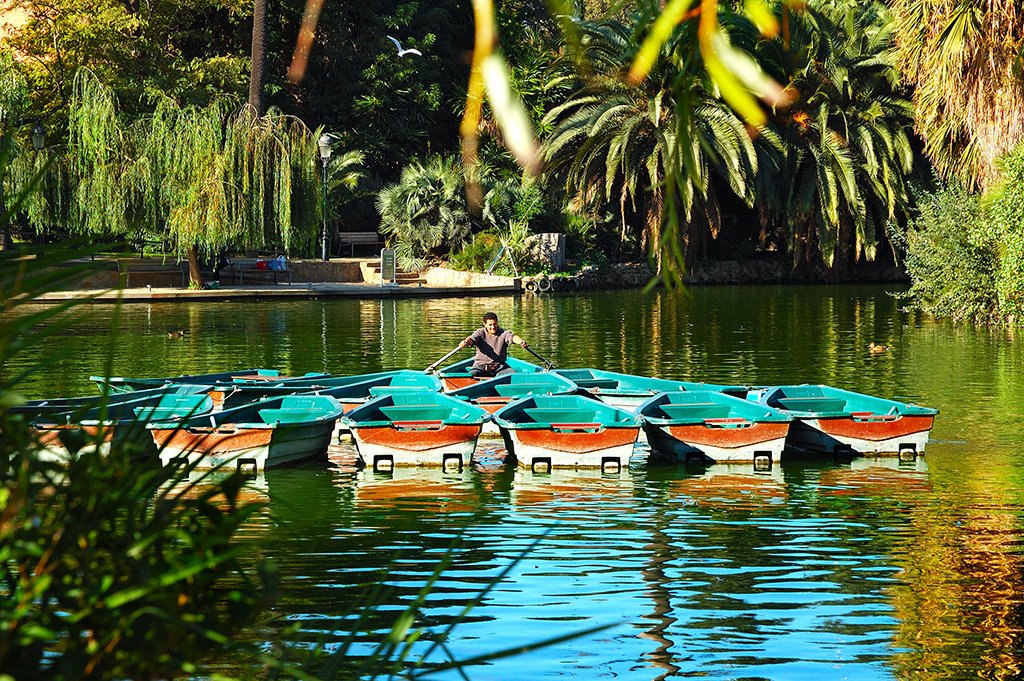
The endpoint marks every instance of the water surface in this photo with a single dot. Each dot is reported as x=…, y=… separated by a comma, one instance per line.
x=817, y=569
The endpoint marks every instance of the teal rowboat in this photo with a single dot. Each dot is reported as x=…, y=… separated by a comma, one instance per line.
x=455, y=376
x=494, y=393
x=415, y=428
x=62, y=432
x=121, y=384
x=351, y=391
x=568, y=431
x=274, y=432
x=832, y=420
x=628, y=391
x=714, y=427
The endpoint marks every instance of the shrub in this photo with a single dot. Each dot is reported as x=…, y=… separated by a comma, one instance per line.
x=950, y=258
x=1005, y=209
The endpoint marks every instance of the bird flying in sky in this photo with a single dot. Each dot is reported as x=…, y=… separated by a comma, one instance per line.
x=402, y=52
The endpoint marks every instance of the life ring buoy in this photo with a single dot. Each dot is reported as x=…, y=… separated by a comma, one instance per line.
x=543, y=284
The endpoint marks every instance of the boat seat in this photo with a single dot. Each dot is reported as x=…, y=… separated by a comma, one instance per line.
x=600, y=383
x=288, y=415
x=812, y=403
x=516, y=389
x=555, y=415
x=174, y=407
x=378, y=390
x=696, y=410
x=416, y=412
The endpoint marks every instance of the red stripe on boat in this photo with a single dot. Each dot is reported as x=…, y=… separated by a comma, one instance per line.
x=577, y=442
x=728, y=438
x=419, y=440
x=876, y=430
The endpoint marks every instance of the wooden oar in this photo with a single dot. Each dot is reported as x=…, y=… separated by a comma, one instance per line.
x=547, y=365
x=430, y=369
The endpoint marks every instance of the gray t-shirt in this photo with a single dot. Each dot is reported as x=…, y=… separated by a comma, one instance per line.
x=489, y=348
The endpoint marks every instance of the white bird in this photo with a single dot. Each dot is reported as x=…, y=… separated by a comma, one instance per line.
x=402, y=52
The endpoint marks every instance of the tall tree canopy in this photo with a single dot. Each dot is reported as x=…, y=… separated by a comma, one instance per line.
x=192, y=50
x=206, y=177
x=834, y=164
x=966, y=63
x=652, y=146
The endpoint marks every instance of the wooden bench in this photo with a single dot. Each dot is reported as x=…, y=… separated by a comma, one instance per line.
x=242, y=267
x=353, y=239
x=127, y=269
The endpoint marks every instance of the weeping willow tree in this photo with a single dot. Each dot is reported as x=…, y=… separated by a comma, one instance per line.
x=203, y=179
x=25, y=165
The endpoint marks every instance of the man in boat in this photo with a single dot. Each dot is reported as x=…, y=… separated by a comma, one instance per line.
x=491, y=343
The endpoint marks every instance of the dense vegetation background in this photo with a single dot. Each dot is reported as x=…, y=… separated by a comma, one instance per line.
x=195, y=124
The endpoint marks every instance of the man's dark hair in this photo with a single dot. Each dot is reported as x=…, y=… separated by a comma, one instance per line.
x=490, y=315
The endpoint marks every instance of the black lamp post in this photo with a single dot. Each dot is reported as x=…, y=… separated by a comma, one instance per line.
x=325, y=157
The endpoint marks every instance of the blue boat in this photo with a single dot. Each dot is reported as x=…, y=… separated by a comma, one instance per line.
x=349, y=390
x=416, y=428
x=628, y=391
x=455, y=376
x=568, y=431
x=494, y=393
x=63, y=432
x=833, y=420
x=274, y=432
x=712, y=426
x=121, y=384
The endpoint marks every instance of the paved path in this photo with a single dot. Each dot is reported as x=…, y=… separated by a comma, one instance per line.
x=296, y=290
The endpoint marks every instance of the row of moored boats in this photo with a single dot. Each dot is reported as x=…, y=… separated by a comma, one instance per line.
x=559, y=418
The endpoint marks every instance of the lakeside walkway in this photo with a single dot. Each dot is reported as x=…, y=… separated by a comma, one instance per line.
x=152, y=294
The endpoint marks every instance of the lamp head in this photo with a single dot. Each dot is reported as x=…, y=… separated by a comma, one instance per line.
x=38, y=136
x=325, y=147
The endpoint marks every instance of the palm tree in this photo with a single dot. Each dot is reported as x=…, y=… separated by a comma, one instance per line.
x=425, y=210
x=832, y=167
x=964, y=61
x=258, y=56
x=654, y=146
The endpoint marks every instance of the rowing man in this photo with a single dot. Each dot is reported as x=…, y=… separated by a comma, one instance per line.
x=491, y=343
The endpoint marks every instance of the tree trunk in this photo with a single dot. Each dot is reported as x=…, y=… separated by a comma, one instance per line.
x=195, y=276
x=259, y=56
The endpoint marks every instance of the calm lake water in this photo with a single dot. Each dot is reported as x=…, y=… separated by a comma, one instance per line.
x=817, y=569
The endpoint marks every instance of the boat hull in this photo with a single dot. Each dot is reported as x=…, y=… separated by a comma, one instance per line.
x=564, y=448
x=416, y=445
x=97, y=437
x=753, y=442
x=875, y=434
x=264, y=446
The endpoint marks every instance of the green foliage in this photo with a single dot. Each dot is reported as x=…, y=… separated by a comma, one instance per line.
x=1005, y=209
x=425, y=213
x=477, y=255
x=211, y=176
x=833, y=166
x=951, y=258
x=109, y=569
x=652, y=147
x=191, y=50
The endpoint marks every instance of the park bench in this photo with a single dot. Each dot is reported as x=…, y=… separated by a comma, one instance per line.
x=353, y=239
x=152, y=271
x=241, y=268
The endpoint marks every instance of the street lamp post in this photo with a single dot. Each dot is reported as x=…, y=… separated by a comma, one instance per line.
x=325, y=157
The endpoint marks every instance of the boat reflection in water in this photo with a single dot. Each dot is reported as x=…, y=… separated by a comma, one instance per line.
x=729, y=485
x=559, y=491
x=887, y=477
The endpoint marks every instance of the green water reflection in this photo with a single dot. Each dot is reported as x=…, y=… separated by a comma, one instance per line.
x=865, y=569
